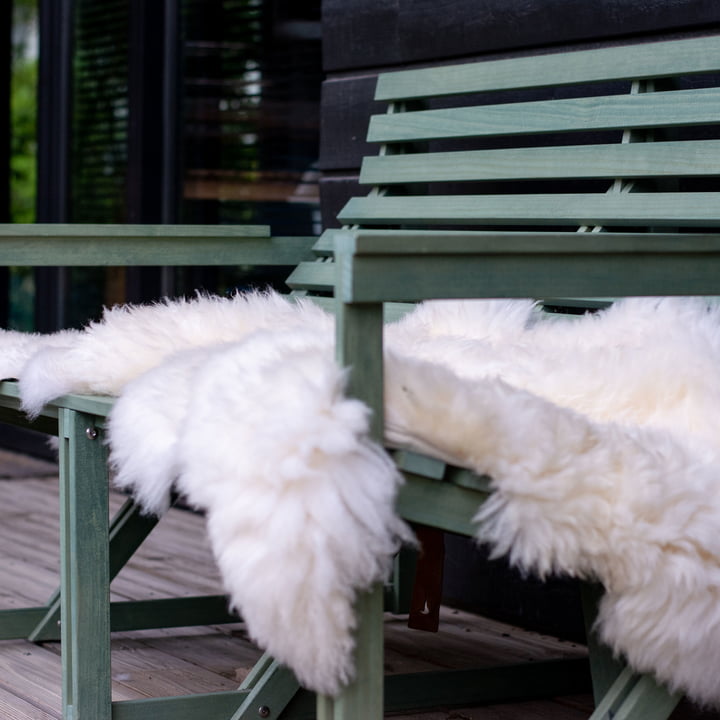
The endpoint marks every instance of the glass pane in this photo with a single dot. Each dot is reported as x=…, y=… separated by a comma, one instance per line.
x=251, y=104
x=23, y=161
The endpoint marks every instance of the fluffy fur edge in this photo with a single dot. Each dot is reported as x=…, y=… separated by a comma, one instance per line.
x=300, y=503
x=131, y=339
x=634, y=507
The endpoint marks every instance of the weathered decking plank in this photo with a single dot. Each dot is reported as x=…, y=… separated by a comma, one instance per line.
x=176, y=560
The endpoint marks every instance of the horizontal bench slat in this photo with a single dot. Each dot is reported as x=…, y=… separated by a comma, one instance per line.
x=643, y=110
x=158, y=250
x=100, y=231
x=609, y=274
x=612, y=209
x=622, y=62
x=313, y=276
x=380, y=243
x=628, y=160
x=507, y=265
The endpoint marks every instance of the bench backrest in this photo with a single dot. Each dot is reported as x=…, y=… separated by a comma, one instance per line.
x=620, y=138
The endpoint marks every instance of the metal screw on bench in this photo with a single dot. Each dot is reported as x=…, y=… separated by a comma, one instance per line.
x=91, y=433
x=264, y=711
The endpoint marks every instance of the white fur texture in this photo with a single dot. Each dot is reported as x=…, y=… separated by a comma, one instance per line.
x=609, y=469
x=132, y=339
x=300, y=504
x=599, y=433
x=16, y=348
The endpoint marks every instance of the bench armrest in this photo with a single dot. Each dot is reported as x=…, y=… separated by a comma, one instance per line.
x=408, y=266
x=165, y=245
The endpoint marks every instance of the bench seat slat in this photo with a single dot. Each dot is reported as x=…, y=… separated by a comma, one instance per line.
x=622, y=62
x=628, y=160
x=614, y=112
x=611, y=209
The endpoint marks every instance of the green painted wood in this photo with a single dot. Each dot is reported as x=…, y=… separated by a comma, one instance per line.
x=10, y=398
x=257, y=672
x=607, y=161
x=125, y=615
x=622, y=62
x=19, y=623
x=604, y=667
x=534, y=275
x=153, y=250
x=463, y=478
x=107, y=231
x=128, y=529
x=359, y=347
x=438, y=504
x=312, y=276
x=607, y=209
x=171, y=612
x=615, y=695
x=647, y=699
x=323, y=246
x=97, y=405
x=47, y=628
x=208, y=706
x=398, y=594
x=679, y=108
x=363, y=699
x=412, y=462
x=635, y=697
x=483, y=686
x=271, y=691
x=412, y=243
x=84, y=561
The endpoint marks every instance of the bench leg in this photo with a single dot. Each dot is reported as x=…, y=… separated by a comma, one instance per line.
x=269, y=687
x=636, y=697
x=363, y=698
x=620, y=694
x=604, y=668
x=127, y=531
x=84, y=565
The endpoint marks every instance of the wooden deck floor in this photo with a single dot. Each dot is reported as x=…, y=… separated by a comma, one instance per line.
x=176, y=561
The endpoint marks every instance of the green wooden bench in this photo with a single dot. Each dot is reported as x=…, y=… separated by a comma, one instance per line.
x=560, y=175
x=93, y=548
x=560, y=199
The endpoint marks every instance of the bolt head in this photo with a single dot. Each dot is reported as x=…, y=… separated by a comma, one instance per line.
x=264, y=711
x=91, y=433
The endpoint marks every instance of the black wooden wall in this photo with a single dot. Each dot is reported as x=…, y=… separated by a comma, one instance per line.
x=364, y=37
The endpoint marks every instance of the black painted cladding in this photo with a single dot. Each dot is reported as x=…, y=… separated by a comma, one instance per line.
x=374, y=33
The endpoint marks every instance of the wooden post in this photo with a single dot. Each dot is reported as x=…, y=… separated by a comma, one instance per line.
x=84, y=558
x=359, y=347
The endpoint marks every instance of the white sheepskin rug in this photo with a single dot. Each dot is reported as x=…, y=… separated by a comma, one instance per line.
x=599, y=434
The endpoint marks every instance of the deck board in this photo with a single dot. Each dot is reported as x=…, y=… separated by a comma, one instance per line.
x=176, y=561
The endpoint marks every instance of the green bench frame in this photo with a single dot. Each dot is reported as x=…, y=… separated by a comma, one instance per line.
x=630, y=240
x=640, y=217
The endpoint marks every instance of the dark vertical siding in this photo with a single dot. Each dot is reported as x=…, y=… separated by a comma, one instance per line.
x=364, y=37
